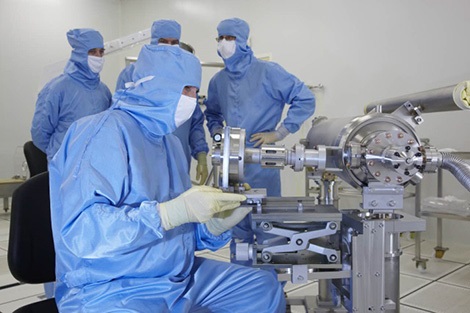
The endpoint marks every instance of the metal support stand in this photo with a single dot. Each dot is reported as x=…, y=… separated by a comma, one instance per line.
x=419, y=262
x=439, y=248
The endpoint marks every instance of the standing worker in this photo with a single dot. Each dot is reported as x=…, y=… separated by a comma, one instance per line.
x=76, y=93
x=191, y=133
x=251, y=94
x=126, y=241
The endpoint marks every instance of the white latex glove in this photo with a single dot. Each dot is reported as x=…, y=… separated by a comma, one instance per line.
x=201, y=169
x=269, y=137
x=223, y=221
x=197, y=205
x=263, y=138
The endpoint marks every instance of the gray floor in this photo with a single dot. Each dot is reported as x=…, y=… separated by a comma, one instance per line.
x=443, y=287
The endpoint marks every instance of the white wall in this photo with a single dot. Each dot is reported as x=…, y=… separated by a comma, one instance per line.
x=361, y=51
x=33, y=36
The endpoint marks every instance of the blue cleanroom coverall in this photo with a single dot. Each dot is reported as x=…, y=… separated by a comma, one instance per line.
x=251, y=94
x=113, y=168
x=76, y=93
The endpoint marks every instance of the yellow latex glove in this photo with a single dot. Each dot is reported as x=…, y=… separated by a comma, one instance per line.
x=197, y=205
x=201, y=169
x=223, y=221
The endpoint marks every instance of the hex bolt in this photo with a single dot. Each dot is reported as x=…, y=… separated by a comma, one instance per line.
x=407, y=173
x=371, y=163
x=373, y=203
x=359, y=275
x=299, y=242
x=388, y=135
x=333, y=226
x=392, y=203
x=332, y=258
x=266, y=226
x=400, y=135
x=300, y=277
x=399, y=179
x=387, y=179
x=377, y=274
x=377, y=174
x=411, y=141
x=377, y=140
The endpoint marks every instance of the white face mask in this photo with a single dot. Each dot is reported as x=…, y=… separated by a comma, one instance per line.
x=95, y=63
x=184, y=110
x=226, y=48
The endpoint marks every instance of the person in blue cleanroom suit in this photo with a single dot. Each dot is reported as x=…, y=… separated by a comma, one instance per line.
x=191, y=133
x=251, y=94
x=126, y=221
x=76, y=93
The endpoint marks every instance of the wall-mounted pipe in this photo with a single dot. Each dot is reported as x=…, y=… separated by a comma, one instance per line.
x=451, y=98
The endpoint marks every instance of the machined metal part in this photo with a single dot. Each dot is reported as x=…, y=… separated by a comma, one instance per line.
x=376, y=147
x=433, y=159
x=297, y=224
x=378, y=196
x=230, y=155
x=299, y=240
x=273, y=156
x=357, y=252
x=371, y=251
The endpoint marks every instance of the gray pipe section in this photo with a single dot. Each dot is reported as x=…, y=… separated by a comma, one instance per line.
x=392, y=270
x=436, y=100
x=458, y=167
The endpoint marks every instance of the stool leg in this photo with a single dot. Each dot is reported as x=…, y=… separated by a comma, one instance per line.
x=5, y=204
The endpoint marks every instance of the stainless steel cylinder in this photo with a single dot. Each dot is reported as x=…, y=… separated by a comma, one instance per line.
x=375, y=147
x=392, y=269
x=451, y=98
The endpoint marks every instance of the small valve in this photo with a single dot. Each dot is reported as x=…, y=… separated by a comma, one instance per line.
x=217, y=137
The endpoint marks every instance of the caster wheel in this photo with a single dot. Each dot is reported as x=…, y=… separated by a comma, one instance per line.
x=439, y=254
x=421, y=266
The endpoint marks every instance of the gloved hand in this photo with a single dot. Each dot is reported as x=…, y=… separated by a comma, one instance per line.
x=269, y=137
x=223, y=221
x=201, y=169
x=196, y=205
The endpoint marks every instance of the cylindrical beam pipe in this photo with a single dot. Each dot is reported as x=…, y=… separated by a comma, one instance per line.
x=451, y=98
